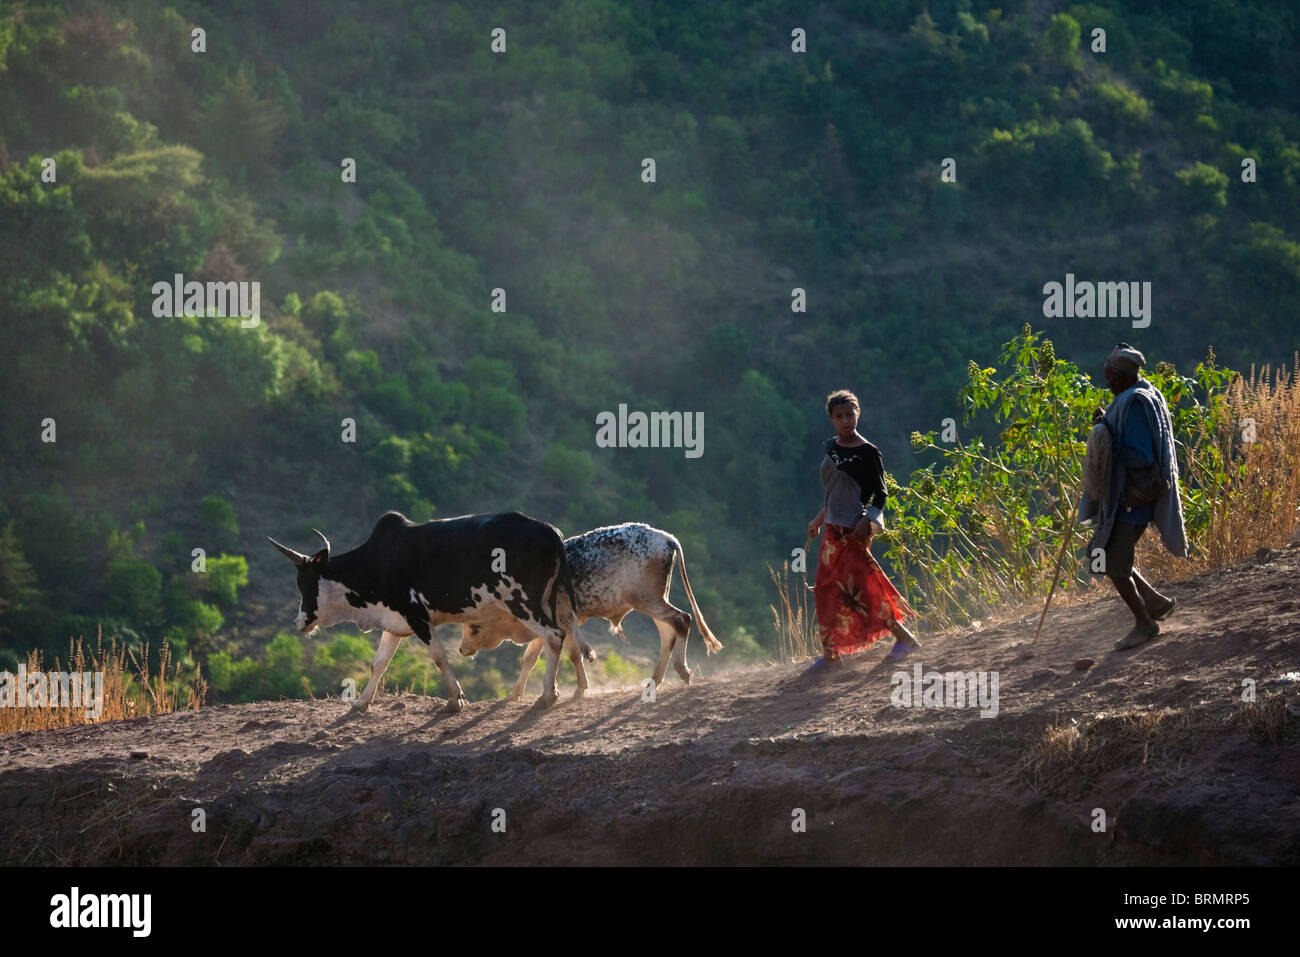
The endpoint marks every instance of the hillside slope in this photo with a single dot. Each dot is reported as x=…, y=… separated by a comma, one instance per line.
x=712, y=773
x=777, y=171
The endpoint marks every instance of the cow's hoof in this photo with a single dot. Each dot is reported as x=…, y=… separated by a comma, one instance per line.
x=514, y=695
x=579, y=694
x=455, y=704
x=546, y=700
x=358, y=707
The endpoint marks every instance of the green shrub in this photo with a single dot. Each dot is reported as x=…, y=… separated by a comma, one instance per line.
x=614, y=667
x=133, y=592
x=392, y=454
x=1202, y=188
x=397, y=493
x=226, y=575
x=1062, y=40
x=741, y=646
x=218, y=515
x=360, y=369
x=347, y=656
x=1123, y=106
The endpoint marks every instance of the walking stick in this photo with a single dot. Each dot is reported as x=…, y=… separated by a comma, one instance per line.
x=1074, y=516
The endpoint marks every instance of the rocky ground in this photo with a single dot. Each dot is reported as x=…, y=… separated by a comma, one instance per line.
x=761, y=766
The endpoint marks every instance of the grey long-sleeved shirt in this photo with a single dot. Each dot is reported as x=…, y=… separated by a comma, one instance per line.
x=855, y=484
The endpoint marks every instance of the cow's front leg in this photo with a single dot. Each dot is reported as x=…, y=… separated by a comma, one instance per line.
x=530, y=658
x=388, y=643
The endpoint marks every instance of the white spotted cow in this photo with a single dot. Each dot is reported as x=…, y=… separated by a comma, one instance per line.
x=408, y=579
x=616, y=569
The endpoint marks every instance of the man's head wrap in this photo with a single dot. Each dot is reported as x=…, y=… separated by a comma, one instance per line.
x=1126, y=358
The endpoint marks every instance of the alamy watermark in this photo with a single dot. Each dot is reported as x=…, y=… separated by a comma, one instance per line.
x=53, y=689
x=953, y=689
x=1098, y=300
x=193, y=298
x=654, y=430
x=76, y=909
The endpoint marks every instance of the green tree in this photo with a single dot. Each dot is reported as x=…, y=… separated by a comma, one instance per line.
x=1202, y=188
x=41, y=229
x=226, y=575
x=391, y=455
x=143, y=206
x=239, y=126
x=18, y=591
x=284, y=666
x=1062, y=40
x=133, y=591
x=218, y=515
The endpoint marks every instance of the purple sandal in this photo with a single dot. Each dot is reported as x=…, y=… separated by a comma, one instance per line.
x=900, y=650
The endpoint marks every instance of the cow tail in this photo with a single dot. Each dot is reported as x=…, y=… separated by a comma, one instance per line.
x=564, y=579
x=711, y=644
x=566, y=576
x=555, y=592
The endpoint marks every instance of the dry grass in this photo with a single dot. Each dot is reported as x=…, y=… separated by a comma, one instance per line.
x=795, y=618
x=90, y=826
x=1251, y=490
x=1268, y=719
x=130, y=688
x=1068, y=756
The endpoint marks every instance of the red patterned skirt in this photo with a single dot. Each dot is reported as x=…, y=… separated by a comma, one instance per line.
x=856, y=603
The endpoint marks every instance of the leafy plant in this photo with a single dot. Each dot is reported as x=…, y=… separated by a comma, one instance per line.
x=986, y=528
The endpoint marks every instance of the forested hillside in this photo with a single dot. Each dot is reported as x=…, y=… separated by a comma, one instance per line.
x=516, y=178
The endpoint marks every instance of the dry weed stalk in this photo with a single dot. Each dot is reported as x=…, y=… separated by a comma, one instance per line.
x=130, y=690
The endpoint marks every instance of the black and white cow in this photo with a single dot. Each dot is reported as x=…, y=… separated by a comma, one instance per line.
x=408, y=579
x=616, y=569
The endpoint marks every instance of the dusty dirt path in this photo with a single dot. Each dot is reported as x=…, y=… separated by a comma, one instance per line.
x=1157, y=738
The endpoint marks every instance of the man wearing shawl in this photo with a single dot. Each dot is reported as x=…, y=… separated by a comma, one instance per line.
x=1141, y=435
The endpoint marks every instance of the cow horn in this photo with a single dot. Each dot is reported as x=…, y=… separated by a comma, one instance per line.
x=296, y=557
x=323, y=539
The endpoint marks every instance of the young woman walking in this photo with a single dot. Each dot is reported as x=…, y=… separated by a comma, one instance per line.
x=856, y=603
